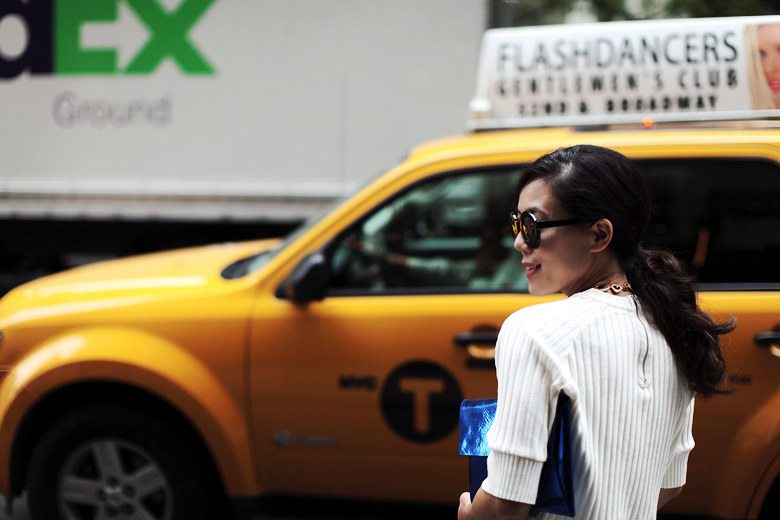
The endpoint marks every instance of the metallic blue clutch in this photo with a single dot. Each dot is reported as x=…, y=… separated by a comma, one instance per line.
x=556, y=486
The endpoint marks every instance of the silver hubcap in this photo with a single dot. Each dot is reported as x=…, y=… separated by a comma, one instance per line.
x=112, y=479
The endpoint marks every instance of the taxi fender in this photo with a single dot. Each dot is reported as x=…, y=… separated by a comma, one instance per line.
x=148, y=362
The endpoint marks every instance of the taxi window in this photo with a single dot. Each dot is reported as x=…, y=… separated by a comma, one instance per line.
x=448, y=234
x=720, y=216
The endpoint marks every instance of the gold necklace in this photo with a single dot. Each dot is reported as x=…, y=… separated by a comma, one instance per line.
x=614, y=288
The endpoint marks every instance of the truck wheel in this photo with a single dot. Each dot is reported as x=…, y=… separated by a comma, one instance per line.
x=108, y=461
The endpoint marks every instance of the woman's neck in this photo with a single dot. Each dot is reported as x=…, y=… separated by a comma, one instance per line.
x=599, y=275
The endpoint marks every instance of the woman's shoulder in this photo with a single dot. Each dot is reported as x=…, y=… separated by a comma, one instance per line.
x=552, y=311
x=556, y=320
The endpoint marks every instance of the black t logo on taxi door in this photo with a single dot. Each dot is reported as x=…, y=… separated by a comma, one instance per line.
x=421, y=401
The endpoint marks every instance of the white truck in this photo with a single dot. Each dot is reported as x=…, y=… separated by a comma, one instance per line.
x=210, y=119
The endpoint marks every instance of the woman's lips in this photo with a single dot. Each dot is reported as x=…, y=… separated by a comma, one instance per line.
x=774, y=84
x=531, y=269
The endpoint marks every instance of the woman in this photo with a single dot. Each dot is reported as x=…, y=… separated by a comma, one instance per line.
x=629, y=346
x=763, y=57
x=769, y=50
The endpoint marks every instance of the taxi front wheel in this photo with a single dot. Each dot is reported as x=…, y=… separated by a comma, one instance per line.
x=105, y=461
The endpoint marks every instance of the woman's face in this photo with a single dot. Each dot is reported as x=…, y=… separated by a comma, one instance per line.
x=769, y=48
x=563, y=260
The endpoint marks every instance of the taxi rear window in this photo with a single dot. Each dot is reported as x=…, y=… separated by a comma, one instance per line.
x=720, y=216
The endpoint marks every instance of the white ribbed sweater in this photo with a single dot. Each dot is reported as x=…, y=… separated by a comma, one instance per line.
x=632, y=410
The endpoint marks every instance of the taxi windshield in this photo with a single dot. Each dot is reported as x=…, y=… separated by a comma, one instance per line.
x=257, y=261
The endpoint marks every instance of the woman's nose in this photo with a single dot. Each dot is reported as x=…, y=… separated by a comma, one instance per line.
x=771, y=63
x=520, y=244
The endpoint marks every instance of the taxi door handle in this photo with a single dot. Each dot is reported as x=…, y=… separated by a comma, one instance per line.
x=477, y=337
x=480, y=346
x=767, y=339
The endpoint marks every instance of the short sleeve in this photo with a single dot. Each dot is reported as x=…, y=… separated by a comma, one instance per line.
x=677, y=466
x=524, y=415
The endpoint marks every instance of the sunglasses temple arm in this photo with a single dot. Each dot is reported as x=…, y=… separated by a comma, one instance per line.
x=554, y=223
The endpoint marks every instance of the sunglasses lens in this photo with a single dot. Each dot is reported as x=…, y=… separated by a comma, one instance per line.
x=529, y=230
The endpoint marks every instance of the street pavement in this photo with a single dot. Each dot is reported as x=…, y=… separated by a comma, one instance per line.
x=303, y=509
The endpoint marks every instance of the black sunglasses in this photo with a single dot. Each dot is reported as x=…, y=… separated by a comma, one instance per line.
x=526, y=224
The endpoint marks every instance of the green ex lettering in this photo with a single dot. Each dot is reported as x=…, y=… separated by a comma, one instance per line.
x=54, y=29
x=169, y=36
x=69, y=57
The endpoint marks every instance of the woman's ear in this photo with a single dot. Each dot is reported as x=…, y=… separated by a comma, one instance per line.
x=602, y=235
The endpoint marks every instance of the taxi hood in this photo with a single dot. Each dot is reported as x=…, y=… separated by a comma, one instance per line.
x=164, y=272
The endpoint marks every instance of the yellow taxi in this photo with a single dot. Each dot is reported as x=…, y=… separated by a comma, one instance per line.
x=332, y=363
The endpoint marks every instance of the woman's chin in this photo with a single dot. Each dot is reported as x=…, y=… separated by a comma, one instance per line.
x=539, y=290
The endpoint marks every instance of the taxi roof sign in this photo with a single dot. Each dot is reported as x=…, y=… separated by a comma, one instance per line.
x=628, y=72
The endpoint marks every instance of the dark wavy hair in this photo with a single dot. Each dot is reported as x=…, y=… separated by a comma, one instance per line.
x=591, y=183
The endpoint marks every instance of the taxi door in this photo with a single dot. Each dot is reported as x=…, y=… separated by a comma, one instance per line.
x=726, y=227
x=358, y=394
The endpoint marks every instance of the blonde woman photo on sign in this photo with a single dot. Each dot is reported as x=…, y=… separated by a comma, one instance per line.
x=763, y=56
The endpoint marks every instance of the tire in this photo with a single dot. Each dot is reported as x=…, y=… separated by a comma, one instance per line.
x=108, y=461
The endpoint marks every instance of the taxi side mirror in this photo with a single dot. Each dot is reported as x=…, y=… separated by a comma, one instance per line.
x=307, y=282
